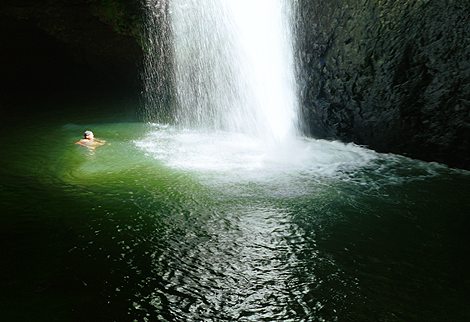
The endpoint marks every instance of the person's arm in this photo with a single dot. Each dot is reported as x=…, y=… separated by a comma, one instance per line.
x=100, y=142
x=79, y=142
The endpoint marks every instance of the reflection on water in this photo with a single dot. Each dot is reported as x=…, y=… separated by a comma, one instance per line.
x=175, y=225
x=244, y=265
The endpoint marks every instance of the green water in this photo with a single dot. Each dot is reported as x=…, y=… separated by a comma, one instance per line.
x=123, y=234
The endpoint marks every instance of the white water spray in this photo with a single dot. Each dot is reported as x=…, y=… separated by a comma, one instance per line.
x=233, y=65
x=229, y=68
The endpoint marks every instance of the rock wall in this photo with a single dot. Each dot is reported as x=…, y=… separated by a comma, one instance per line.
x=55, y=46
x=390, y=74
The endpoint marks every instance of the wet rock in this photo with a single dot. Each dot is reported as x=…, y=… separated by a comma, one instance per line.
x=393, y=75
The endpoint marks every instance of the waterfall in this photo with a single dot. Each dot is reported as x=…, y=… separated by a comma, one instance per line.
x=226, y=64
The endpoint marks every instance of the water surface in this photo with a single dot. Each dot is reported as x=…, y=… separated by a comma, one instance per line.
x=168, y=224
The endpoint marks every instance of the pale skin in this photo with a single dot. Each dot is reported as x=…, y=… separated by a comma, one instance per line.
x=90, y=142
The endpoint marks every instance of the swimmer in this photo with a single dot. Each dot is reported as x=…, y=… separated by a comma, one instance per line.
x=89, y=141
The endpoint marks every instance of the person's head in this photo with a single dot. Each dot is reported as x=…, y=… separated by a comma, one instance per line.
x=88, y=135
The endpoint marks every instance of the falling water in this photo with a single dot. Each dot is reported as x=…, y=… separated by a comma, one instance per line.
x=231, y=65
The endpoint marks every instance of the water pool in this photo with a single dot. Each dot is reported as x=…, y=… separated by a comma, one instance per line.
x=167, y=224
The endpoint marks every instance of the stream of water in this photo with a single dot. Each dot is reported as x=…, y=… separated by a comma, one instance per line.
x=233, y=66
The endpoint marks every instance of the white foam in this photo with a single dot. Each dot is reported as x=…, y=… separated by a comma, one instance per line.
x=237, y=157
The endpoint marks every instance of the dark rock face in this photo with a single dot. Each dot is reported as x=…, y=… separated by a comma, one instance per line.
x=393, y=75
x=56, y=46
